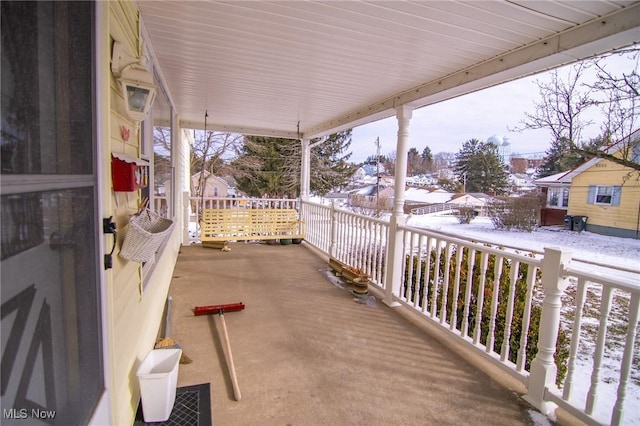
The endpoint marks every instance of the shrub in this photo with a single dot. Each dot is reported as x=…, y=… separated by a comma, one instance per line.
x=466, y=214
x=520, y=213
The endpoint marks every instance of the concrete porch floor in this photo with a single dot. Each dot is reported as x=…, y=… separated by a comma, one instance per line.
x=307, y=354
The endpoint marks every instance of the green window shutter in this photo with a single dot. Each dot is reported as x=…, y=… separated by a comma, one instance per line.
x=591, y=196
x=616, y=195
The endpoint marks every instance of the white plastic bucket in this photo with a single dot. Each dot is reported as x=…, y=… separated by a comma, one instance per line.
x=158, y=377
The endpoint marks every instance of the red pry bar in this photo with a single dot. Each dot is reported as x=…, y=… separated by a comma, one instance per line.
x=215, y=309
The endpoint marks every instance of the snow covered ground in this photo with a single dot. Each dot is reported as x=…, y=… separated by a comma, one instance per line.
x=586, y=246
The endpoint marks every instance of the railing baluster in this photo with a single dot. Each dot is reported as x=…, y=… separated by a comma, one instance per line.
x=445, y=285
x=495, y=295
x=346, y=222
x=483, y=279
x=592, y=395
x=456, y=288
x=367, y=247
x=627, y=359
x=419, y=279
x=427, y=275
x=350, y=237
x=375, y=275
x=436, y=279
x=361, y=254
x=471, y=263
x=513, y=278
x=406, y=267
x=333, y=246
x=526, y=319
x=581, y=292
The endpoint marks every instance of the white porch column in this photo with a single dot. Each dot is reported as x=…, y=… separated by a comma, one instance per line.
x=394, y=271
x=543, y=368
x=305, y=170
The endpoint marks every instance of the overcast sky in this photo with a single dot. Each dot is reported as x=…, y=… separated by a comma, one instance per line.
x=444, y=127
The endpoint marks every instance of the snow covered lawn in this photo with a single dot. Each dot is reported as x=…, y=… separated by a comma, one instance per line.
x=588, y=246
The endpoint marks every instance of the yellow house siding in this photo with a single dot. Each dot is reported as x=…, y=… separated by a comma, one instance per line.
x=133, y=315
x=605, y=173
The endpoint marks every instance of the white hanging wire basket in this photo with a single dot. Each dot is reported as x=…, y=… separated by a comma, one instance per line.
x=147, y=230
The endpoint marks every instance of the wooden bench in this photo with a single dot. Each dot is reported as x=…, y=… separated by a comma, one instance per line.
x=222, y=225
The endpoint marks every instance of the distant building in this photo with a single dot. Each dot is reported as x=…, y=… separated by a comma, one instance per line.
x=214, y=186
x=599, y=193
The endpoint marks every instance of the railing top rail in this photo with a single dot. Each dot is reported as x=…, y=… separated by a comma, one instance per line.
x=532, y=258
x=349, y=213
x=574, y=260
x=289, y=200
x=627, y=282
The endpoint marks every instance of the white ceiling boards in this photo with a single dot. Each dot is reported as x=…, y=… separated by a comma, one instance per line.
x=264, y=66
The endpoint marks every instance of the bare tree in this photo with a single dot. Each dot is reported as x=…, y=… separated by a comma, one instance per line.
x=370, y=206
x=564, y=100
x=209, y=156
x=443, y=160
x=618, y=97
x=561, y=106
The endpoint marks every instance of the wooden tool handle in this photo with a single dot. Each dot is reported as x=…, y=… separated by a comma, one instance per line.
x=232, y=368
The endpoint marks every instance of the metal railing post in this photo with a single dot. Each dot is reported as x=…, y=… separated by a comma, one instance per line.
x=543, y=370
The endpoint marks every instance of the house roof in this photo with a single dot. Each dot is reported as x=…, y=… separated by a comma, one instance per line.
x=425, y=196
x=477, y=199
x=564, y=178
x=559, y=179
x=310, y=68
x=210, y=178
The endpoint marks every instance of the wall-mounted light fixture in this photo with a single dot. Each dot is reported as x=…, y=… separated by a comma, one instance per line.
x=137, y=83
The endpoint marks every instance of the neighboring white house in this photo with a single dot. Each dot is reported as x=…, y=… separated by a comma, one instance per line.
x=214, y=186
x=476, y=199
x=419, y=195
x=557, y=188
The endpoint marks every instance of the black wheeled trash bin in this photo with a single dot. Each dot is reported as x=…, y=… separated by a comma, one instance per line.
x=579, y=223
x=568, y=222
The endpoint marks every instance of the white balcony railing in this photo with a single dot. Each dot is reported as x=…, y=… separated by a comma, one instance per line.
x=498, y=300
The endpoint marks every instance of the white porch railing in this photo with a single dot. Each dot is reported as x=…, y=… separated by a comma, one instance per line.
x=438, y=275
x=452, y=282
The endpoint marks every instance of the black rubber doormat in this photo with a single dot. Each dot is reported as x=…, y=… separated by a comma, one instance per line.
x=192, y=408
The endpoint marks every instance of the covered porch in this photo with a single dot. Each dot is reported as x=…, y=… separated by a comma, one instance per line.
x=79, y=318
x=307, y=353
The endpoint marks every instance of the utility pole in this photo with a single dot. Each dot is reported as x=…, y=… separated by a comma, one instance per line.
x=464, y=182
x=377, y=176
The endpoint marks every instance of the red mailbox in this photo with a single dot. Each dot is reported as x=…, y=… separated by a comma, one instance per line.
x=128, y=173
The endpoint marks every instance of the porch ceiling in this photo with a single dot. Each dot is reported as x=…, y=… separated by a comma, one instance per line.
x=262, y=67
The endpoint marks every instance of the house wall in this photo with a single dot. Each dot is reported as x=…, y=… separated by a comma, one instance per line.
x=135, y=298
x=550, y=217
x=622, y=220
x=213, y=186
